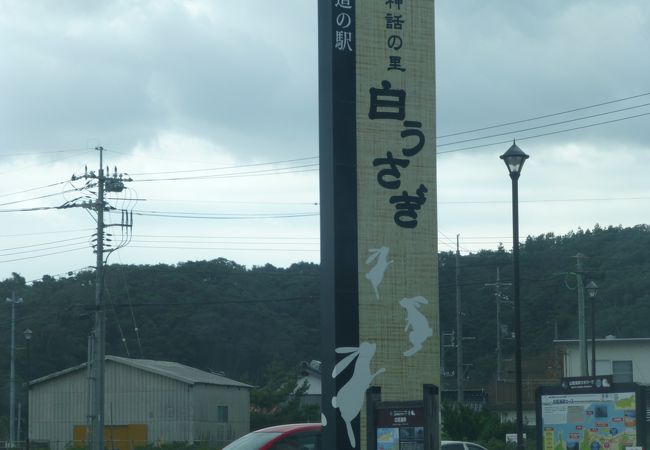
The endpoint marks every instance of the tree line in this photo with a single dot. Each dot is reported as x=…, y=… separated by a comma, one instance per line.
x=223, y=317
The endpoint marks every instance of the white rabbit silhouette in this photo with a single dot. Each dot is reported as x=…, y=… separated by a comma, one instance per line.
x=417, y=322
x=349, y=399
x=376, y=274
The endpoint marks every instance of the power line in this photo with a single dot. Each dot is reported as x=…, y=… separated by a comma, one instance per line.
x=160, y=247
x=136, y=330
x=46, y=232
x=40, y=208
x=234, y=216
x=239, y=166
x=266, y=172
x=180, y=236
x=33, y=189
x=43, y=255
x=543, y=134
x=211, y=241
x=38, y=198
x=4, y=254
x=222, y=302
x=238, y=202
x=557, y=200
x=67, y=273
x=212, y=216
x=543, y=126
x=545, y=116
x=45, y=152
x=44, y=243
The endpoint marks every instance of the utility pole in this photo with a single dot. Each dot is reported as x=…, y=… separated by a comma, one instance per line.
x=12, y=371
x=498, y=296
x=582, y=334
x=104, y=183
x=99, y=333
x=447, y=341
x=460, y=370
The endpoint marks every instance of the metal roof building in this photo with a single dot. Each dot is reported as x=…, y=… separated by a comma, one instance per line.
x=145, y=402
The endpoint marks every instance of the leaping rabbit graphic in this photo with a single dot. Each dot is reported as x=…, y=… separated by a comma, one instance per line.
x=376, y=274
x=417, y=322
x=349, y=399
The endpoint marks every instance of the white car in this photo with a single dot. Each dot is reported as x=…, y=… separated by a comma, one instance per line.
x=460, y=445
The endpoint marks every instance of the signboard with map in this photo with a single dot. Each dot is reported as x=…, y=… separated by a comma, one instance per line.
x=400, y=428
x=593, y=419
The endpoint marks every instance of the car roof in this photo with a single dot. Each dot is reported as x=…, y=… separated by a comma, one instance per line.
x=291, y=427
x=460, y=442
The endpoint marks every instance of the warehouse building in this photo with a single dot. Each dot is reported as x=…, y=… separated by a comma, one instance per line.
x=146, y=402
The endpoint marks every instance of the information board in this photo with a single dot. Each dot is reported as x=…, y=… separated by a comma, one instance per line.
x=400, y=428
x=591, y=420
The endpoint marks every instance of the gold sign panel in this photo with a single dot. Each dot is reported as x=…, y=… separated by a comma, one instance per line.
x=396, y=195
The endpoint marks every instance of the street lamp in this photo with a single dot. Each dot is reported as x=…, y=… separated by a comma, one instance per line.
x=514, y=159
x=592, y=290
x=28, y=337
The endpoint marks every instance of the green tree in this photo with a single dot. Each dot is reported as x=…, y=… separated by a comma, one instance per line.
x=280, y=400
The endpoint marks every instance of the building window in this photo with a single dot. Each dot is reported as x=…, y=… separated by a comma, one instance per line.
x=622, y=371
x=222, y=414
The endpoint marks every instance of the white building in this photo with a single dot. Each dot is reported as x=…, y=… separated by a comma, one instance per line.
x=311, y=375
x=145, y=402
x=627, y=360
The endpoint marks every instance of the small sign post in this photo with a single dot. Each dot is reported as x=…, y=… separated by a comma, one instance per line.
x=403, y=425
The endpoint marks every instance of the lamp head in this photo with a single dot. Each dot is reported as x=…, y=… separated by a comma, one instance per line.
x=592, y=289
x=514, y=159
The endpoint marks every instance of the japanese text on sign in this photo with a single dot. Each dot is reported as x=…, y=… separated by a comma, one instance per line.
x=343, y=33
x=389, y=103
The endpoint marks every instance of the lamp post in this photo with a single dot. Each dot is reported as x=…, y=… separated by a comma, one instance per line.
x=514, y=159
x=28, y=337
x=592, y=290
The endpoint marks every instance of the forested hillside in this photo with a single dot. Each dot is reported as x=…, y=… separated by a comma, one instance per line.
x=617, y=259
x=213, y=315
x=218, y=315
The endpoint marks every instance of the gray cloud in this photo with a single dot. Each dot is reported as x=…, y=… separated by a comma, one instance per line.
x=502, y=60
x=234, y=81
x=142, y=67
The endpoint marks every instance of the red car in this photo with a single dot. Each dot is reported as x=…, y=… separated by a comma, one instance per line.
x=298, y=436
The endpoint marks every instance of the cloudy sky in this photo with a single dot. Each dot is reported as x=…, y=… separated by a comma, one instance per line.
x=211, y=108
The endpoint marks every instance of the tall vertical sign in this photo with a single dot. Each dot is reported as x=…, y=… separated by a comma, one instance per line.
x=379, y=299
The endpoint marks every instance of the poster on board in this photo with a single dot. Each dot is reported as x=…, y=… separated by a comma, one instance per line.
x=590, y=419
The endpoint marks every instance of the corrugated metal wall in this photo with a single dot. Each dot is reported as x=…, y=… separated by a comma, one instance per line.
x=207, y=399
x=56, y=406
x=135, y=396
